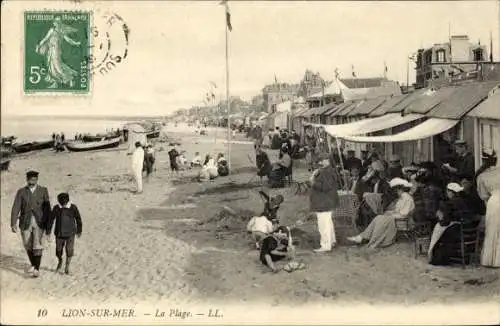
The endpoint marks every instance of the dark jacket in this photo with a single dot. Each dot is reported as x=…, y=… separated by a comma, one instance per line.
x=455, y=210
x=352, y=162
x=27, y=204
x=67, y=219
x=323, y=195
x=465, y=166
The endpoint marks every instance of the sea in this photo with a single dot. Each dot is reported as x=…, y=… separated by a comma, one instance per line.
x=31, y=128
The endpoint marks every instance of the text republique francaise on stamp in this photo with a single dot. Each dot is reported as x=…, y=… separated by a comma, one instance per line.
x=56, y=51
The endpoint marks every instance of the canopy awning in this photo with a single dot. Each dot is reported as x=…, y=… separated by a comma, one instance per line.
x=426, y=129
x=367, y=126
x=489, y=109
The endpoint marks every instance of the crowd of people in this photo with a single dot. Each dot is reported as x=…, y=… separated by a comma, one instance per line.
x=144, y=157
x=437, y=201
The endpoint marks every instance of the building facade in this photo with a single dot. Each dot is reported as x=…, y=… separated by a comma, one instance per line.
x=277, y=93
x=445, y=61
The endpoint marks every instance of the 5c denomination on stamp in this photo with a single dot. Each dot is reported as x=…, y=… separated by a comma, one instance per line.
x=56, y=48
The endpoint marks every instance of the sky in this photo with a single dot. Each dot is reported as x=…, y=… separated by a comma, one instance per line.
x=177, y=48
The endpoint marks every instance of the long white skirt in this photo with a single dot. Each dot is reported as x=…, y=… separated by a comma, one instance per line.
x=490, y=255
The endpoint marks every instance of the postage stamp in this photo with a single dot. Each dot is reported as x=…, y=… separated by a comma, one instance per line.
x=57, y=45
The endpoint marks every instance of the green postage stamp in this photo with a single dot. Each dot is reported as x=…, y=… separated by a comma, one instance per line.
x=56, y=51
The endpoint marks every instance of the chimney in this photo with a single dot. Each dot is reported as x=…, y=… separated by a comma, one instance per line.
x=460, y=48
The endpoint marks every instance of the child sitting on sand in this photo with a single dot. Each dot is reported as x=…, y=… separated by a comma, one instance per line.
x=68, y=223
x=275, y=247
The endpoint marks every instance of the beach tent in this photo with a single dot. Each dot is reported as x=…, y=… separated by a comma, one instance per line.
x=136, y=133
x=426, y=129
x=367, y=126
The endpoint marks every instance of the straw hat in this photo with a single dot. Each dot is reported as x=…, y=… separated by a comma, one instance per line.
x=399, y=182
x=455, y=187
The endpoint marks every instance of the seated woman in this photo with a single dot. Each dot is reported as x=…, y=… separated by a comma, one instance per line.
x=263, y=163
x=377, y=196
x=280, y=169
x=222, y=167
x=381, y=232
x=275, y=247
x=209, y=169
x=428, y=194
x=446, y=234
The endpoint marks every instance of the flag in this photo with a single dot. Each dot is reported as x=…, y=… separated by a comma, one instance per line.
x=353, y=73
x=275, y=79
x=228, y=15
x=385, y=67
x=213, y=84
x=213, y=96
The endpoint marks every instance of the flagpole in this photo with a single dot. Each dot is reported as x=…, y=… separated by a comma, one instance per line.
x=227, y=93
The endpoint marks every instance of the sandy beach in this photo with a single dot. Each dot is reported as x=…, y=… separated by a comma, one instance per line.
x=169, y=242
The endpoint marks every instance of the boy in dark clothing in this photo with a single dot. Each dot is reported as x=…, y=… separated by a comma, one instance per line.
x=68, y=223
x=172, y=155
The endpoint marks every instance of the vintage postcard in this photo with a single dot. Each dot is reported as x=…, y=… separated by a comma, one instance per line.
x=250, y=162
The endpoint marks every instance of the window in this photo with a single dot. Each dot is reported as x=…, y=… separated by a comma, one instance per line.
x=440, y=57
x=478, y=54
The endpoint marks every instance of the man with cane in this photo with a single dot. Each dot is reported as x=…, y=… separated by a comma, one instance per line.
x=30, y=213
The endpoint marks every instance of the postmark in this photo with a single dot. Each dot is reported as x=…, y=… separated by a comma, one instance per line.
x=110, y=35
x=56, y=48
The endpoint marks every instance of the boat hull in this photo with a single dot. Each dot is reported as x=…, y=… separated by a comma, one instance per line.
x=93, y=146
x=32, y=146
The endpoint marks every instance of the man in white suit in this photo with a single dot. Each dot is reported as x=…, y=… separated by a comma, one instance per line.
x=137, y=165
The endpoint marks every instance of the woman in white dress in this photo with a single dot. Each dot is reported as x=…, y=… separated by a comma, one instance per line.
x=488, y=187
x=381, y=232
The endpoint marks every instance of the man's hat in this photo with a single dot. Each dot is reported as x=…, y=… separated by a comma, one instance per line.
x=460, y=142
x=351, y=151
x=31, y=174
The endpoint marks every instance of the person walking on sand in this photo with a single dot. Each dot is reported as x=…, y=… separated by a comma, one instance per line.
x=137, y=165
x=68, y=223
x=323, y=199
x=30, y=212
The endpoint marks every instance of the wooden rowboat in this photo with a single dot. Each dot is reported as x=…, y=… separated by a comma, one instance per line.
x=92, y=146
x=32, y=146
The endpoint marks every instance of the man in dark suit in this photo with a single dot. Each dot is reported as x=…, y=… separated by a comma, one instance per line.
x=352, y=161
x=30, y=213
x=464, y=167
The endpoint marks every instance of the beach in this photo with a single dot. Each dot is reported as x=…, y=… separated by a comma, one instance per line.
x=167, y=244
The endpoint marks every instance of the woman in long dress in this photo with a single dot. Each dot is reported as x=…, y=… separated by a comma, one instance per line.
x=51, y=47
x=381, y=232
x=488, y=187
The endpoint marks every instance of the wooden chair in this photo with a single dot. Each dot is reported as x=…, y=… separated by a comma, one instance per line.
x=468, y=250
x=422, y=238
x=405, y=226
